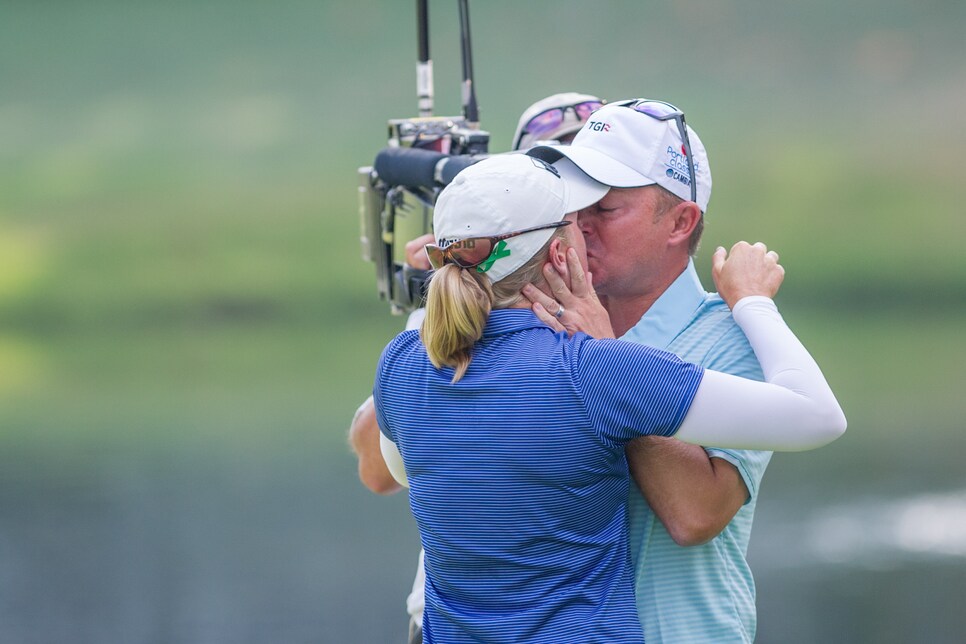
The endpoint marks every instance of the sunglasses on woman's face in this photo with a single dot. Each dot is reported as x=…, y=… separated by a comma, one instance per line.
x=473, y=251
x=550, y=120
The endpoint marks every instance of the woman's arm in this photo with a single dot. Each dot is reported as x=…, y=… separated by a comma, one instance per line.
x=794, y=410
x=364, y=439
x=391, y=461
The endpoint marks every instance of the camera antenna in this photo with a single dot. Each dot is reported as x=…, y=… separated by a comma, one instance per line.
x=470, y=111
x=424, y=66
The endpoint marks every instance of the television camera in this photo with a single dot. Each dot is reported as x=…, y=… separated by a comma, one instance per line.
x=397, y=193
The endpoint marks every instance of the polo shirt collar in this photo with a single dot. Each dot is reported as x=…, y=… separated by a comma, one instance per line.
x=671, y=312
x=509, y=320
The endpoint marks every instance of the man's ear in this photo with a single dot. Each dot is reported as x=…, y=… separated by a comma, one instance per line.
x=685, y=216
x=558, y=254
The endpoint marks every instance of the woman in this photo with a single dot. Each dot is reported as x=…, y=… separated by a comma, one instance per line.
x=512, y=436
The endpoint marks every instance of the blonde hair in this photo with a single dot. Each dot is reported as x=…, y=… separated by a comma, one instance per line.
x=458, y=305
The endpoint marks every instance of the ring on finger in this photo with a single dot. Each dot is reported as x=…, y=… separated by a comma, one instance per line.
x=560, y=311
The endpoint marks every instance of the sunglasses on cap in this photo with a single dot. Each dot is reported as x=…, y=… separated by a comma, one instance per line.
x=549, y=120
x=666, y=112
x=474, y=251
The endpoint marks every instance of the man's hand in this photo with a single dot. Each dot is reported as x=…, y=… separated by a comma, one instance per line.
x=416, y=251
x=574, y=305
x=750, y=270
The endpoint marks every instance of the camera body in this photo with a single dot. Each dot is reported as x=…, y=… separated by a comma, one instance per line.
x=396, y=202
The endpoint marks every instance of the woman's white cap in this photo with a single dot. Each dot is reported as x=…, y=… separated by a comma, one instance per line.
x=506, y=193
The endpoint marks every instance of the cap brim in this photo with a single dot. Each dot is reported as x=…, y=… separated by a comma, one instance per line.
x=597, y=165
x=582, y=190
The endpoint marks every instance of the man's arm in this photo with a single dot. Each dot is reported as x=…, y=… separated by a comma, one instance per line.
x=364, y=440
x=695, y=496
x=416, y=251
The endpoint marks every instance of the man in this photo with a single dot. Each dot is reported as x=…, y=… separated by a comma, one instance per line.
x=556, y=118
x=690, y=518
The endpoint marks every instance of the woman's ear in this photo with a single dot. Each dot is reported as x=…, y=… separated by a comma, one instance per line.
x=558, y=255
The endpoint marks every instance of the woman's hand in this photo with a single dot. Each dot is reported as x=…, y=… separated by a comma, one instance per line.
x=574, y=305
x=750, y=270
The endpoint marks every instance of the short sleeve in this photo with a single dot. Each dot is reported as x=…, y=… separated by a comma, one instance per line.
x=631, y=390
x=377, y=396
x=413, y=323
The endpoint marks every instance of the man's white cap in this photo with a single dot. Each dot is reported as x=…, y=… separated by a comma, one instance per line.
x=625, y=148
x=506, y=193
x=569, y=124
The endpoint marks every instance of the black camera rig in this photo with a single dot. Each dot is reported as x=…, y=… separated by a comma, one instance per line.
x=397, y=193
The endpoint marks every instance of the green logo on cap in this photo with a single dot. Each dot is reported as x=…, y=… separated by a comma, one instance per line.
x=499, y=251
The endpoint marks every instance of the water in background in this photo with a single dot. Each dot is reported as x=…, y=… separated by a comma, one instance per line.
x=186, y=327
x=234, y=548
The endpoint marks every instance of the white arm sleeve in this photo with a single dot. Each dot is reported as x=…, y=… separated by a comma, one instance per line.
x=794, y=410
x=390, y=454
x=415, y=319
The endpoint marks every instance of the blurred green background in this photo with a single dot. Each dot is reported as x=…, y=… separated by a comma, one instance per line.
x=186, y=326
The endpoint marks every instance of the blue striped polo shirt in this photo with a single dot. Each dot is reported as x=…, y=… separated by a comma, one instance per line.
x=518, y=480
x=700, y=593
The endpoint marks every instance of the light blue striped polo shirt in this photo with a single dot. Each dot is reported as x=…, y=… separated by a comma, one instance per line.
x=698, y=593
x=518, y=480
